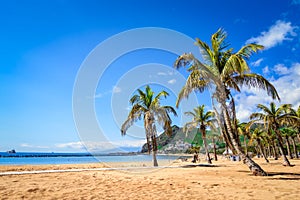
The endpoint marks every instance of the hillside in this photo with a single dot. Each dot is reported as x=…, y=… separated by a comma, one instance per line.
x=177, y=142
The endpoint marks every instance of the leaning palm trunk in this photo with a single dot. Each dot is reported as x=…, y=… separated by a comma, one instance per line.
x=286, y=162
x=254, y=167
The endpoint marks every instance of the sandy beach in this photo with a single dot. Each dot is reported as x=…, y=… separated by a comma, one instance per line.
x=183, y=180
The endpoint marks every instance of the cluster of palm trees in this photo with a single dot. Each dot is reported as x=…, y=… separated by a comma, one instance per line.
x=221, y=72
x=274, y=127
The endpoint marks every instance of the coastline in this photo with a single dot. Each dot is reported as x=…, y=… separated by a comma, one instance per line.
x=223, y=180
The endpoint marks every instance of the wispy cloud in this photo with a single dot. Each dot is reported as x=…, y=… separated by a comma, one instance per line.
x=166, y=73
x=296, y=2
x=281, y=69
x=172, y=81
x=116, y=89
x=257, y=63
x=71, y=145
x=101, y=146
x=239, y=21
x=276, y=34
x=26, y=145
x=266, y=70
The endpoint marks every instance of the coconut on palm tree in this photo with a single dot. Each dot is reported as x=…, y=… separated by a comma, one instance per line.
x=221, y=71
x=145, y=104
x=273, y=118
x=201, y=120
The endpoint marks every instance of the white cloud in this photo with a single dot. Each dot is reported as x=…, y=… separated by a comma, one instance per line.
x=26, y=145
x=162, y=74
x=275, y=35
x=116, y=89
x=287, y=86
x=266, y=70
x=100, y=95
x=71, y=145
x=257, y=63
x=281, y=69
x=167, y=73
x=129, y=143
x=172, y=81
x=101, y=146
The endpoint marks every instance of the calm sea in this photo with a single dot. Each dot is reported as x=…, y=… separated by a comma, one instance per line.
x=72, y=158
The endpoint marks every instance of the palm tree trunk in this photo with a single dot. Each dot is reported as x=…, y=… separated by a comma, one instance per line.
x=269, y=150
x=288, y=146
x=286, y=162
x=151, y=131
x=275, y=150
x=245, y=145
x=262, y=150
x=205, y=144
x=295, y=147
x=215, y=150
x=254, y=167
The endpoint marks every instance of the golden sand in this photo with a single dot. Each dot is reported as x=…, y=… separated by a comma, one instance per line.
x=223, y=180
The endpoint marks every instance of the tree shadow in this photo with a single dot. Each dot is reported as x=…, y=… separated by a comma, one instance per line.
x=200, y=165
x=288, y=175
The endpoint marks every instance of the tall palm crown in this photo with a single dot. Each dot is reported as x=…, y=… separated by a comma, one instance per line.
x=201, y=118
x=296, y=118
x=222, y=68
x=145, y=104
x=271, y=115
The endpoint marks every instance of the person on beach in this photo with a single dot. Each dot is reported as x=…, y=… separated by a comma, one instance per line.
x=196, y=157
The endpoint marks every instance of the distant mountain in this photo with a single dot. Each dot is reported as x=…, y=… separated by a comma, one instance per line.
x=177, y=142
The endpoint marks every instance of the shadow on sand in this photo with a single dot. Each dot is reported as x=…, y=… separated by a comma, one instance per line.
x=200, y=165
x=279, y=175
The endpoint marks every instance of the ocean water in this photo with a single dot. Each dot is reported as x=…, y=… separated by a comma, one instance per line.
x=69, y=158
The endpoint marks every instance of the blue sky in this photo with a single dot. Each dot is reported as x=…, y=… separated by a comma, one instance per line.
x=44, y=43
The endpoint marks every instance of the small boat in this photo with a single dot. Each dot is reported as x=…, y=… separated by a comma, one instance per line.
x=12, y=151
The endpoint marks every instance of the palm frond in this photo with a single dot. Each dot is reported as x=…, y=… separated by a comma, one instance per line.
x=135, y=114
x=256, y=81
x=247, y=50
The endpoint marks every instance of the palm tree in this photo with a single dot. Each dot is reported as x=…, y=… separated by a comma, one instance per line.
x=272, y=118
x=296, y=122
x=215, y=137
x=201, y=120
x=258, y=135
x=146, y=105
x=289, y=133
x=221, y=71
x=293, y=136
x=242, y=130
